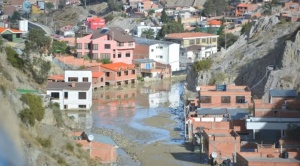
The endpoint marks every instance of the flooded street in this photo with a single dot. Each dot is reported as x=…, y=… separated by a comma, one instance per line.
x=148, y=114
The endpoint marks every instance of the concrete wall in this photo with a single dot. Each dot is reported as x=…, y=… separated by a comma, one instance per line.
x=80, y=74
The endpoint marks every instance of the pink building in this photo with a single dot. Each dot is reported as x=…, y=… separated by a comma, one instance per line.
x=113, y=43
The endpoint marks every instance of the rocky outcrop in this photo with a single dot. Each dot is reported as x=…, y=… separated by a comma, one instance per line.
x=263, y=59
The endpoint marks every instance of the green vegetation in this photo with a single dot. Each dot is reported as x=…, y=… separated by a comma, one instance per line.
x=57, y=114
x=104, y=61
x=3, y=89
x=217, y=78
x=246, y=28
x=214, y=7
x=150, y=12
x=293, y=131
x=78, y=145
x=164, y=18
x=37, y=41
x=114, y=5
x=230, y=39
x=70, y=147
x=58, y=46
x=15, y=17
x=109, y=17
x=170, y=27
x=149, y=34
x=202, y=65
x=40, y=75
x=13, y=58
x=46, y=143
x=287, y=79
x=49, y=6
x=36, y=111
x=140, y=78
x=86, y=57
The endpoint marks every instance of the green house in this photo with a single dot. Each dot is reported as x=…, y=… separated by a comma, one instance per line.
x=12, y=35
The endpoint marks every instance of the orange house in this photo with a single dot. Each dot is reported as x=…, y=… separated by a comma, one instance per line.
x=118, y=73
x=223, y=96
x=98, y=76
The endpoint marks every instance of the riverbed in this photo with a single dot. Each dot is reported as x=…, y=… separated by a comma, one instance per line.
x=150, y=117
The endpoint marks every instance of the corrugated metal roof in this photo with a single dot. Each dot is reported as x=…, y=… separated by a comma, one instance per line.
x=234, y=113
x=283, y=93
x=149, y=42
x=143, y=60
x=68, y=86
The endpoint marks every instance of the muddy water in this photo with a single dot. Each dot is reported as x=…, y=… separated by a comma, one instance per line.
x=134, y=111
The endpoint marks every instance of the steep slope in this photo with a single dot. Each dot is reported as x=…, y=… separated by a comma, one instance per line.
x=263, y=59
x=42, y=144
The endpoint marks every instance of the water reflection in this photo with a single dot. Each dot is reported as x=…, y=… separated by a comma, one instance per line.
x=124, y=109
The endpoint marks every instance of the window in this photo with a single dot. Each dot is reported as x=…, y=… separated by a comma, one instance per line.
x=197, y=41
x=120, y=44
x=107, y=74
x=240, y=99
x=133, y=95
x=107, y=97
x=105, y=56
x=130, y=44
x=225, y=99
x=126, y=73
x=95, y=46
x=114, y=55
x=95, y=56
x=79, y=45
x=133, y=72
x=119, y=96
x=127, y=54
x=119, y=55
x=214, y=39
x=65, y=107
x=86, y=46
x=119, y=74
x=203, y=40
x=106, y=46
x=192, y=41
x=85, y=79
x=55, y=95
x=205, y=99
x=66, y=95
x=82, y=106
x=81, y=95
x=72, y=79
x=152, y=50
x=126, y=96
x=161, y=57
x=101, y=79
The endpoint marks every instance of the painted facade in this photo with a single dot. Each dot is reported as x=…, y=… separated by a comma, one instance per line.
x=114, y=44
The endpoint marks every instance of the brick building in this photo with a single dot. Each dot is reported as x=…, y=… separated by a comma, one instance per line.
x=224, y=96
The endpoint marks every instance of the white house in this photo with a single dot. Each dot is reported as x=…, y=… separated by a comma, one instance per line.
x=161, y=51
x=75, y=92
x=143, y=27
x=194, y=53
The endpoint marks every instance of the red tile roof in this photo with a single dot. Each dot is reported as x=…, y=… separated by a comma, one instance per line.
x=11, y=30
x=188, y=35
x=214, y=22
x=59, y=77
x=97, y=74
x=117, y=66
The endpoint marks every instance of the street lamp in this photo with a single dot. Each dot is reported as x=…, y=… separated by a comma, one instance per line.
x=198, y=90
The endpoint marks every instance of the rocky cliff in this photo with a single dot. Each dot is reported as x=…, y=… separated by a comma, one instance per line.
x=265, y=58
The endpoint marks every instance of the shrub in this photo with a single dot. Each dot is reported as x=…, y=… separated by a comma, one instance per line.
x=104, y=61
x=69, y=147
x=246, y=28
x=110, y=17
x=46, y=143
x=140, y=78
x=217, y=78
x=13, y=58
x=35, y=110
x=78, y=145
x=202, y=65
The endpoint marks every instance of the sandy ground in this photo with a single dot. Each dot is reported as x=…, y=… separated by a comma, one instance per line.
x=161, y=152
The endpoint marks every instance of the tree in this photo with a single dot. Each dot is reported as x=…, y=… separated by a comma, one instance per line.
x=149, y=34
x=49, y=6
x=104, y=61
x=110, y=17
x=58, y=46
x=171, y=27
x=114, y=5
x=15, y=17
x=164, y=18
x=197, y=29
x=179, y=19
x=222, y=27
x=226, y=40
x=246, y=28
x=151, y=12
x=36, y=40
x=214, y=7
x=61, y=4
